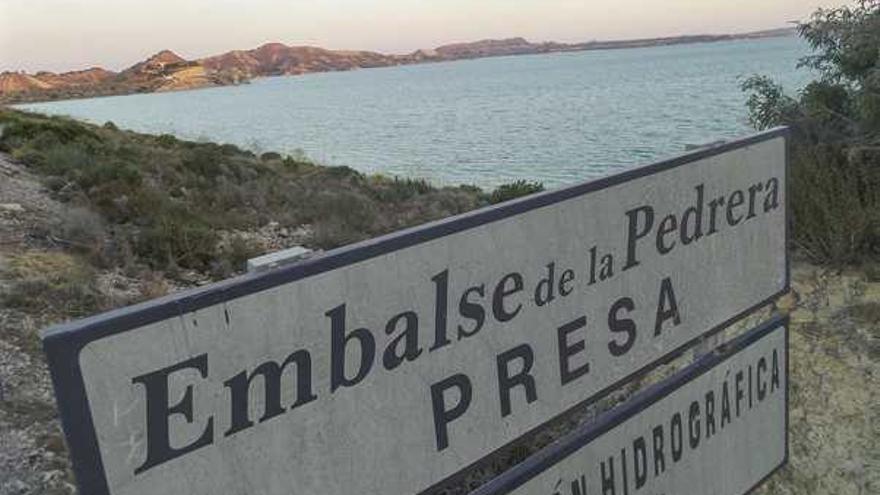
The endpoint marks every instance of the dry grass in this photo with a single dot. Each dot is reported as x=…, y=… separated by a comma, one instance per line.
x=46, y=282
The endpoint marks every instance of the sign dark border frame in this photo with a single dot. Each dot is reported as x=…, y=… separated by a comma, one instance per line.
x=63, y=343
x=571, y=443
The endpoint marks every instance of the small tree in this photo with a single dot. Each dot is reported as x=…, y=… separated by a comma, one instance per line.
x=835, y=122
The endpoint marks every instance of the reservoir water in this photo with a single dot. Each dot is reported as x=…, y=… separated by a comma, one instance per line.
x=555, y=118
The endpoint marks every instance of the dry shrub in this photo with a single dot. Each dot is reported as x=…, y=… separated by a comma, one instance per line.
x=233, y=254
x=153, y=285
x=83, y=230
x=161, y=202
x=51, y=282
x=835, y=205
x=867, y=312
x=343, y=217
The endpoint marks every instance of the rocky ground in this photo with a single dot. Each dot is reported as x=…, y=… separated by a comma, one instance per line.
x=835, y=354
x=32, y=453
x=835, y=384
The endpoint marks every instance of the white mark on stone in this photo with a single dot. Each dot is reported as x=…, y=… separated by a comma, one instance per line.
x=117, y=415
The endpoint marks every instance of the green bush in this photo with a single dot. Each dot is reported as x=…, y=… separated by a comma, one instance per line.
x=343, y=217
x=25, y=127
x=175, y=239
x=517, y=189
x=166, y=141
x=398, y=189
x=835, y=146
x=204, y=162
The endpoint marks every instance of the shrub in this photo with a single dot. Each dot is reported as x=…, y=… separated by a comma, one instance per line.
x=66, y=160
x=108, y=174
x=231, y=149
x=835, y=146
x=153, y=285
x=398, y=189
x=832, y=222
x=83, y=229
x=517, y=189
x=204, y=161
x=343, y=172
x=233, y=256
x=175, y=238
x=294, y=164
x=343, y=217
x=166, y=141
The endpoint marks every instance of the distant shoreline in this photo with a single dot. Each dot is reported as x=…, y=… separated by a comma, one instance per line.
x=167, y=71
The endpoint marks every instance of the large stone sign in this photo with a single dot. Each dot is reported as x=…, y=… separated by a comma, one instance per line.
x=719, y=426
x=388, y=366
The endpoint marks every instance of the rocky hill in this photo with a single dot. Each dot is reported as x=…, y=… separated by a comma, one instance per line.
x=16, y=82
x=276, y=59
x=168, y=71
x=164, y=71
x=488, y=48
x=94, y=75
x=157, y=65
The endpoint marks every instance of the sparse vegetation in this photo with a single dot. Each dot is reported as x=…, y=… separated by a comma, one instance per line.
x=164, y=202
x=51, y=282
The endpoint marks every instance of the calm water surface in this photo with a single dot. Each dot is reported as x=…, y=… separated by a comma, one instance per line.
x=556, y=118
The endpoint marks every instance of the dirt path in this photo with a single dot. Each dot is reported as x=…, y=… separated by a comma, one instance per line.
x=33, y=458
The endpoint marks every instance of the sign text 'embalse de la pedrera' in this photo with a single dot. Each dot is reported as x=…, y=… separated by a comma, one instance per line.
x=389, y=366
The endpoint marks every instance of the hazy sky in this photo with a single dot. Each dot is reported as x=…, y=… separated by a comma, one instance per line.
x=74, y=34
